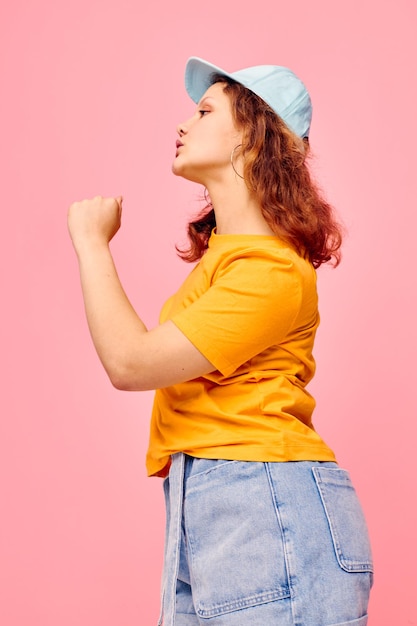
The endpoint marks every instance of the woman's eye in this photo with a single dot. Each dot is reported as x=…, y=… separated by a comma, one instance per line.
x=203, y=112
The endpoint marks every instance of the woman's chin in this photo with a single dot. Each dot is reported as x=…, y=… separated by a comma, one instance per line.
x=180, y=170
x=176, y=168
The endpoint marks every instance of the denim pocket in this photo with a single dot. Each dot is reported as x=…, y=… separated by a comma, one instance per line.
x=345, y=518
x=235, y=546
x=362, y=621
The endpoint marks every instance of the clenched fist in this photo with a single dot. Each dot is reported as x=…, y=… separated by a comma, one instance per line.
x=94, y=221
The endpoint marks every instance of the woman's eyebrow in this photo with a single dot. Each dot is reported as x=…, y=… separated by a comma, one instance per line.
x=204, y=100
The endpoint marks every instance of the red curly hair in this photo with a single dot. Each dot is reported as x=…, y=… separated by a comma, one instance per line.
x=276, y=172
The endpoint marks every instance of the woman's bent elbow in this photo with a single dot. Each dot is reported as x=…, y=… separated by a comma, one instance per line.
x=126, y=380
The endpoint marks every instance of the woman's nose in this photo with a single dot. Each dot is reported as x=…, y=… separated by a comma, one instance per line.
x=183, y=127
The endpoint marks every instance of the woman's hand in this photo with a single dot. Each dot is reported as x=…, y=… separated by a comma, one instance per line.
x=94, y=221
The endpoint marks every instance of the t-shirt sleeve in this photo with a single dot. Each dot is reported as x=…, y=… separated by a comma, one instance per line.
x=251, y=305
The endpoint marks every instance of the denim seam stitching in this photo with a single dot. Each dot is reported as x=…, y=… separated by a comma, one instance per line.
x=274, y=497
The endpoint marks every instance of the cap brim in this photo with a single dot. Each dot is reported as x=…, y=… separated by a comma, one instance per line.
x=198, y=77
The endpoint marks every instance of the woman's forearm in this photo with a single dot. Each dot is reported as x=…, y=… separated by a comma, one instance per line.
x=115, y=327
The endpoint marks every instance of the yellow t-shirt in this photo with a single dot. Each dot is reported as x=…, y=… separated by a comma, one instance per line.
x=250, y=307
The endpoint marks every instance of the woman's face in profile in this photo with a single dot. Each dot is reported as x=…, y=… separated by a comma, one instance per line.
x=207, y=139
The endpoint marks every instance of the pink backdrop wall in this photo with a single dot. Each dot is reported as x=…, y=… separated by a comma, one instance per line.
x=91, y=92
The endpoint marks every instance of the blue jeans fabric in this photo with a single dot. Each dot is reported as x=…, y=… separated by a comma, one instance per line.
x=263, y=544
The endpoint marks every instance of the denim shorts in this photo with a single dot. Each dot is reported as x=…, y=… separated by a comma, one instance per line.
x=263, y=544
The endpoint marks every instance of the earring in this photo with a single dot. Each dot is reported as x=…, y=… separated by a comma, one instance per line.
x=207, y=197
x=231, y=161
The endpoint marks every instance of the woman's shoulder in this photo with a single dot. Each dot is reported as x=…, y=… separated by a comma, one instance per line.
x=257, y=251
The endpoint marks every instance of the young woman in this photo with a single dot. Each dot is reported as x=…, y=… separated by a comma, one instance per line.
x=263, y=527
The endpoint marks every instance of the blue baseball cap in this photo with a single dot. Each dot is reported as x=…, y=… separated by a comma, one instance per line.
x=278, y=86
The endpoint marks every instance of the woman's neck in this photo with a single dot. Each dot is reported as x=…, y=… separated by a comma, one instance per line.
x=237, y=211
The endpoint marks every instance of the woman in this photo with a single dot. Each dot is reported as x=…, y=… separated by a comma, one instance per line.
x=263, y=527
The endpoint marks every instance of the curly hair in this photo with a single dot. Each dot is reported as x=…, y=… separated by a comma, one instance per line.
x=276, y=172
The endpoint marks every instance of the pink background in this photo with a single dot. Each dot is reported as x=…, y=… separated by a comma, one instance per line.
x=91, y=92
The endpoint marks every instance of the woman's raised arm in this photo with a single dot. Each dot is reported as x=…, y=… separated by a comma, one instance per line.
x=134, y=358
